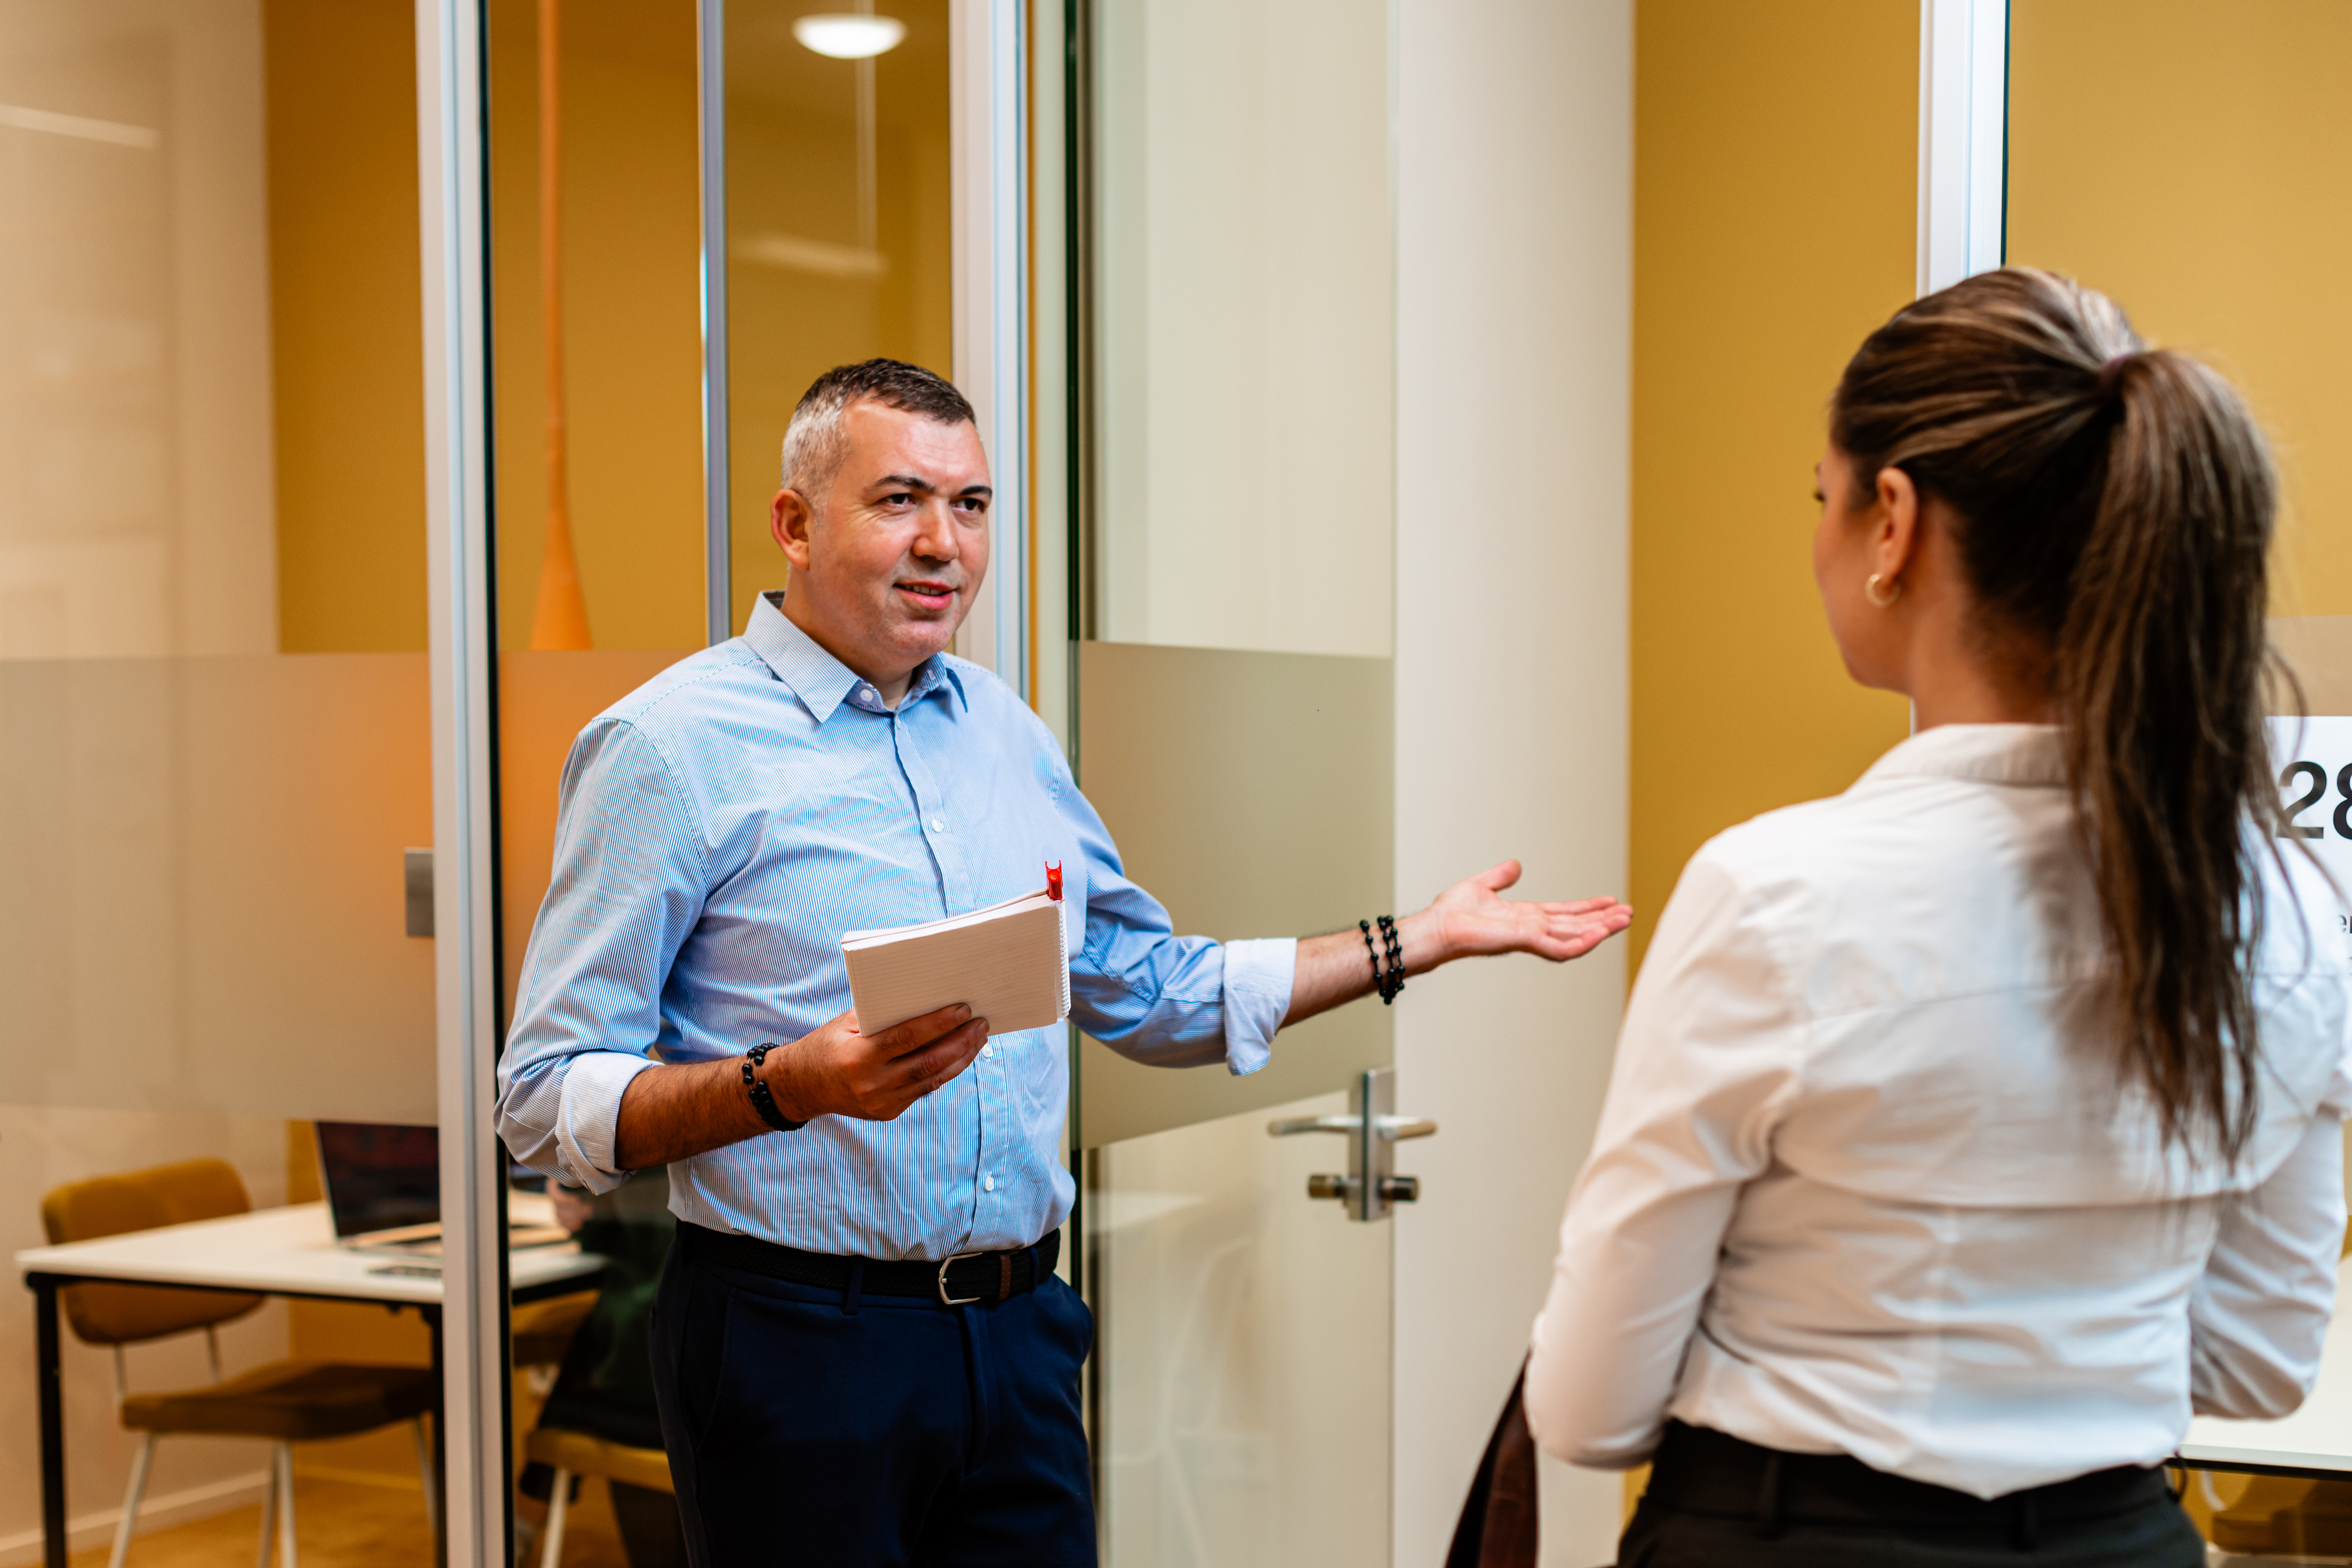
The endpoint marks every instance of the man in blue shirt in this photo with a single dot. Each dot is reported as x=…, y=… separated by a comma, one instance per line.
x=861, y=1351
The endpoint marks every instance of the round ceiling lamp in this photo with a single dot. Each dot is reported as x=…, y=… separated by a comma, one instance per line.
x=846, y=36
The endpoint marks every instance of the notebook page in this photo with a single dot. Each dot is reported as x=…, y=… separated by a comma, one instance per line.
x=1012, y=970
x=993, y=911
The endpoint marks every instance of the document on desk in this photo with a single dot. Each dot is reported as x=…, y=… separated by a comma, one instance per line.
x=1009, y=963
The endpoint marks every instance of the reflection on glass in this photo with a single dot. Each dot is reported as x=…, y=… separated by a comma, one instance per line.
x=213, y=693
x=837, y=216
x=1243, y=321
x=1249, y=1421
x=2186, y=157
x=598, y=335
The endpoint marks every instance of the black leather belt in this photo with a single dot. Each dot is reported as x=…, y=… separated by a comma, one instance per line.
x=952, y=1282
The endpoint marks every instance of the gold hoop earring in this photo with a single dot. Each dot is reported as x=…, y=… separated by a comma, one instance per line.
x=1870, y=590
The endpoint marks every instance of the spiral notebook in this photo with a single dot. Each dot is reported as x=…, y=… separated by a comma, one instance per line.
x=1009, y=963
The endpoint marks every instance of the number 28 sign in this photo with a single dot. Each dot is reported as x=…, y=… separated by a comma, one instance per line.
x=2315, y=758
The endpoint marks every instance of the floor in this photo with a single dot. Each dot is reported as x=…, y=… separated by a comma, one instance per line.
x=342, y=1525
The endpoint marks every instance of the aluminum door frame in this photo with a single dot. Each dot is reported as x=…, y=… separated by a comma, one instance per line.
x=451, y=113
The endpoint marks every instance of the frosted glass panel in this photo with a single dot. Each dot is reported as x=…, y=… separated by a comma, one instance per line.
x=544, y=701
x=203, y=860
x=1245, y=1413
x=1250, y=791
x=1245, y=322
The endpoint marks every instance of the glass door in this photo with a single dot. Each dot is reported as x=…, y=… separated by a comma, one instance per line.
x=217, y=766
x=1231, y=605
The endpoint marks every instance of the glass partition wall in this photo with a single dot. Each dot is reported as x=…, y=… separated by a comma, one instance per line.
x=837, y=195
x=1233, y=348
x=214, y=749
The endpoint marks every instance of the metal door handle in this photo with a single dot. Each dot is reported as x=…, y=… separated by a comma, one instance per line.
x=1372, y=1129
x=1389, y=1127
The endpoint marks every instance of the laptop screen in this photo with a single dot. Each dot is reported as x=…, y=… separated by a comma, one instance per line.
x=378, y=1176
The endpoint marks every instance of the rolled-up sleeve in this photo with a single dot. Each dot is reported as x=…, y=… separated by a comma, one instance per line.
x=1159, y=998
x=627, y=886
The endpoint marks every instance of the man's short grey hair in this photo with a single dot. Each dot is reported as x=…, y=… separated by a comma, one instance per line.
x=814, y=448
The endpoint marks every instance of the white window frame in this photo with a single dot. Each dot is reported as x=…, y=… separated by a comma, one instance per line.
x=1963, y=140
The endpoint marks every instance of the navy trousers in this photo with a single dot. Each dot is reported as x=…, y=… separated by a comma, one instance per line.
x=803, y=1427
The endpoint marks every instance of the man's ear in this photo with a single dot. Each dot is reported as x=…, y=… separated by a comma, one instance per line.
x=789, y=520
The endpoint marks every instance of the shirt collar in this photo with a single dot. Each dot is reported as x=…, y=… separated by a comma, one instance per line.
x=823, y=682
x=2026, y=754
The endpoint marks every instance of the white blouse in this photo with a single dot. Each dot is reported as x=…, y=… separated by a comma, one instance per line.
x=1868, y=1179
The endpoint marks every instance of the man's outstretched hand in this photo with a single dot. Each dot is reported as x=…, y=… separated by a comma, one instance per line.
x=1469, y=920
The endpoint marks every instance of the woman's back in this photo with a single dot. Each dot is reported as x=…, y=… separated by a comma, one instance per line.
x=1970, y=1129
x=1961, y=1252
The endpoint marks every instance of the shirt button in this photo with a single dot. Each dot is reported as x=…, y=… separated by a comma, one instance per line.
x=867, y=693
x=939, y=825
x=990, y=1185
x=989, y=1049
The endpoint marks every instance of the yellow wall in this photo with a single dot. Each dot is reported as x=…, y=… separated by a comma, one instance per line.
x=346, y=349
x=1774, y=223
x=2189, y=157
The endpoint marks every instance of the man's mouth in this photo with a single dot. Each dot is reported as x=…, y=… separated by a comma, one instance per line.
x=929, y=594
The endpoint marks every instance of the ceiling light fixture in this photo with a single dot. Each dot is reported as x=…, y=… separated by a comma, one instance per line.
x=846, y=36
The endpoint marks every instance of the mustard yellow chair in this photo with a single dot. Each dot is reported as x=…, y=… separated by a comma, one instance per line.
x=571, y=1453
x=285, y=1401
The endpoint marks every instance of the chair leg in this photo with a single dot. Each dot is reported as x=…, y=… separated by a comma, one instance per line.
x=432, y=1481
x=269, y=1506
x=286, y=1558
x=130, y=1519
x=558, y=1503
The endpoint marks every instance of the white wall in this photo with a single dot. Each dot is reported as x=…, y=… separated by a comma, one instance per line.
x=1514, y=262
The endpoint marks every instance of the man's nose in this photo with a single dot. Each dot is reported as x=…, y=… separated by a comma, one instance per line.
x=936, y=540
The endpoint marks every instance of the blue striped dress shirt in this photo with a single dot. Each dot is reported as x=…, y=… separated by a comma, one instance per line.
x=719, y=828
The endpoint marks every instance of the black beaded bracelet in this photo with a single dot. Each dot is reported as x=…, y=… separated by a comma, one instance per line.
x=1390, y=984
x=762, y=1100
x=1395, y=945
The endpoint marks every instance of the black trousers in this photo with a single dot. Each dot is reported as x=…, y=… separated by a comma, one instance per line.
x=807, y=1427
x=1715, y=1500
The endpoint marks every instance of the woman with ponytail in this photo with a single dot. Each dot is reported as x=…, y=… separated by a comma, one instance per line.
x=1971, y=1128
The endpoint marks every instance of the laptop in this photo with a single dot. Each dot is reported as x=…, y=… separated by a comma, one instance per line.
x=383, y=1190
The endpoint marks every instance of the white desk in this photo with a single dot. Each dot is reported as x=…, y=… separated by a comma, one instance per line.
x=275, y=1252
x=285, y=1252
x=2315, y=1439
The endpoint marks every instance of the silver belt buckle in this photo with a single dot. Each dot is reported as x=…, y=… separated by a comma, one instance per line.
x=946, y=1299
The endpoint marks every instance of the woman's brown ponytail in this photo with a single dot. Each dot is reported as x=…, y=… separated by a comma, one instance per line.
x=2116, y=506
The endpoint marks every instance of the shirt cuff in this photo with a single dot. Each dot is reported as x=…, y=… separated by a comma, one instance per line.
x=590, y=1117
x=1258, y=976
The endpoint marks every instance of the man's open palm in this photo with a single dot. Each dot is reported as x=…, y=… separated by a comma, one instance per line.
x=1475, y=918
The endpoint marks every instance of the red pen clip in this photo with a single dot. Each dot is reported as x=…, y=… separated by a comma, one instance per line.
x=1053, y=880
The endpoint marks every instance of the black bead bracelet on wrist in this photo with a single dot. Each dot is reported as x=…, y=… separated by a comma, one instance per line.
x=762, y=1100
x=1388, y=984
